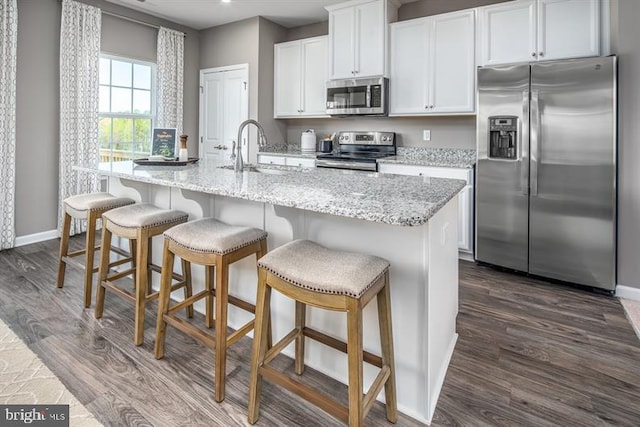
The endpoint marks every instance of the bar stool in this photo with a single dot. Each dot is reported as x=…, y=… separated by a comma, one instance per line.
x=213, y=244
x=88, y=207
x=139, y=223
x=313, y=275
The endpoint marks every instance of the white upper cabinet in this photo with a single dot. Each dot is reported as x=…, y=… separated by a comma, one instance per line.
x=568, y=28
x=358, y=38
x=299, y=78
x=433, y=65
x=538, y=30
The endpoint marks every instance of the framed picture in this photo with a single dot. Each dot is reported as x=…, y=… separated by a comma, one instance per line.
x=164, y=142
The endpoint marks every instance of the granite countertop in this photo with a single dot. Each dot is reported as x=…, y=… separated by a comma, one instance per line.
x=440, y=157
x=370, y=196
x=463, y=158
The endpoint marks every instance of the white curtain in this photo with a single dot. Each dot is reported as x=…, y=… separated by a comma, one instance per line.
x=79, y=86
x=169, y=72
x=8, y=55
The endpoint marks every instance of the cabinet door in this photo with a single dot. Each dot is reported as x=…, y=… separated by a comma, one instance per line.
x=508, y=32
x=568, y=28
x=341, y=40
x=452, y=63
x=287, y=79
x=300, y=162
x=408, y=77
x=314, y=76
x=369, y=40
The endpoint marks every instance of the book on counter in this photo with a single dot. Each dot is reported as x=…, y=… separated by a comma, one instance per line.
x=164, y=143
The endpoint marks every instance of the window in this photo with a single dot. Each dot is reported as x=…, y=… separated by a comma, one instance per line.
x=126, y=108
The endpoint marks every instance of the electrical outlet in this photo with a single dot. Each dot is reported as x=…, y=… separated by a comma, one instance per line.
x=426, y=135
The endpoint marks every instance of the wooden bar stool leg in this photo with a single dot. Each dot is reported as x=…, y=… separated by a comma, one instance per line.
x=262, y=252
x=386, y=342
x=301, y=314
x=263, y=314
x=64, y=248
x=222, y=299
x=90, y=248
x=149, y=258
x=165, y=294
x=141, y=284
x=188, y=289
x=103, y=270
x=208, y=279
x=354, y=350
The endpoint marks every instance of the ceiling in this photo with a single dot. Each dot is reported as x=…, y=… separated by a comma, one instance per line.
x=200, y=14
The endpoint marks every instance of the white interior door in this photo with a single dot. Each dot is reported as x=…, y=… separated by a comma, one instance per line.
x=224, y=104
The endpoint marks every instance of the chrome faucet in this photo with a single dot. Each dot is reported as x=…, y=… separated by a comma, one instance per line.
x=238, y=166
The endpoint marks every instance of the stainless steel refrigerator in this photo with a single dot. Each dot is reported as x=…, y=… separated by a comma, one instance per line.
x=546, y=171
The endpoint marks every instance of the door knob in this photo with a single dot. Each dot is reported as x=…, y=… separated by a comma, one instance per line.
x=541, y=54
x=533, y=54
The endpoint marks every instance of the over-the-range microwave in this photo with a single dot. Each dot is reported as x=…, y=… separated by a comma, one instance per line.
x=365, y=96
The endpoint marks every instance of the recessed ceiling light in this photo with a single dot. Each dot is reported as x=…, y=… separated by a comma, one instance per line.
x=226, y=1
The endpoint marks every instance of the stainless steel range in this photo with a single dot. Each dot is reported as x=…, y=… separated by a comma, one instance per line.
x=359, y=150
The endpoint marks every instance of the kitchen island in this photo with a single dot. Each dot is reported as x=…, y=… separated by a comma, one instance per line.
x=411, y=221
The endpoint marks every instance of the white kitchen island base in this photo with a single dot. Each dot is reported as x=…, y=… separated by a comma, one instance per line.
x=423, y=279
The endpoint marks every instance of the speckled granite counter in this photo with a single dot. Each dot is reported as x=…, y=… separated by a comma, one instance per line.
x=388, y=199
x=441, y=157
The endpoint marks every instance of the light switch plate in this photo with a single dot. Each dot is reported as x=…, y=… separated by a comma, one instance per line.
x=426, y=135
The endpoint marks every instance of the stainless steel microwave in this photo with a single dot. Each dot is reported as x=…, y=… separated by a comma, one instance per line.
x=366, y=96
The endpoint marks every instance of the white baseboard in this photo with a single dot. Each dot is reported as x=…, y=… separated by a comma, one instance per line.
x=36, y=237
x=628, y=292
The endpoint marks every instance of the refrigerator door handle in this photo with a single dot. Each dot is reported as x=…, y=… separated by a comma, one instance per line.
x=523, y=136
x=536, y=141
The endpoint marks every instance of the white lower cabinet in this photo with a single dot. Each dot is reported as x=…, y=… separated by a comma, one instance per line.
x=271, y=159
x=465, y=203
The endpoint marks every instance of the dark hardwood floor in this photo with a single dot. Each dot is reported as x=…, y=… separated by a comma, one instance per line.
x=529, y=353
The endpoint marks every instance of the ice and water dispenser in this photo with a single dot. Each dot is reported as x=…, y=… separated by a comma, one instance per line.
x=503, y=137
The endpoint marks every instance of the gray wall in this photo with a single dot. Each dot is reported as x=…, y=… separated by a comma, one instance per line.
x=248, y=41
x=628, y=50
x=37, y=103
x=422, y=8
x=450, y=132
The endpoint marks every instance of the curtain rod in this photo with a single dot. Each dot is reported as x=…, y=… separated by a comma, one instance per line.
x=137, y=21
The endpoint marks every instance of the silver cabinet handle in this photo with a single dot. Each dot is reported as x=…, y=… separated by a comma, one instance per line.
x=221, y=147
x=533, y=54
x=541, y=54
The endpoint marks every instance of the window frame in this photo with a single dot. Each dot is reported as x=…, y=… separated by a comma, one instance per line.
x=152, y=93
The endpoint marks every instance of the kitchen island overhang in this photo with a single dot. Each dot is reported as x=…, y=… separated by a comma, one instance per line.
x=411, y=221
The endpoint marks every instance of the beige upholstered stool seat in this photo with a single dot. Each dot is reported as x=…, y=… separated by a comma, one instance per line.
x=88, y=207
x=144, y=215
x=208, y=235
x=314, y=267
x=313, y=275
x=78, y=206
x=139, y=223
x=215, y=245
